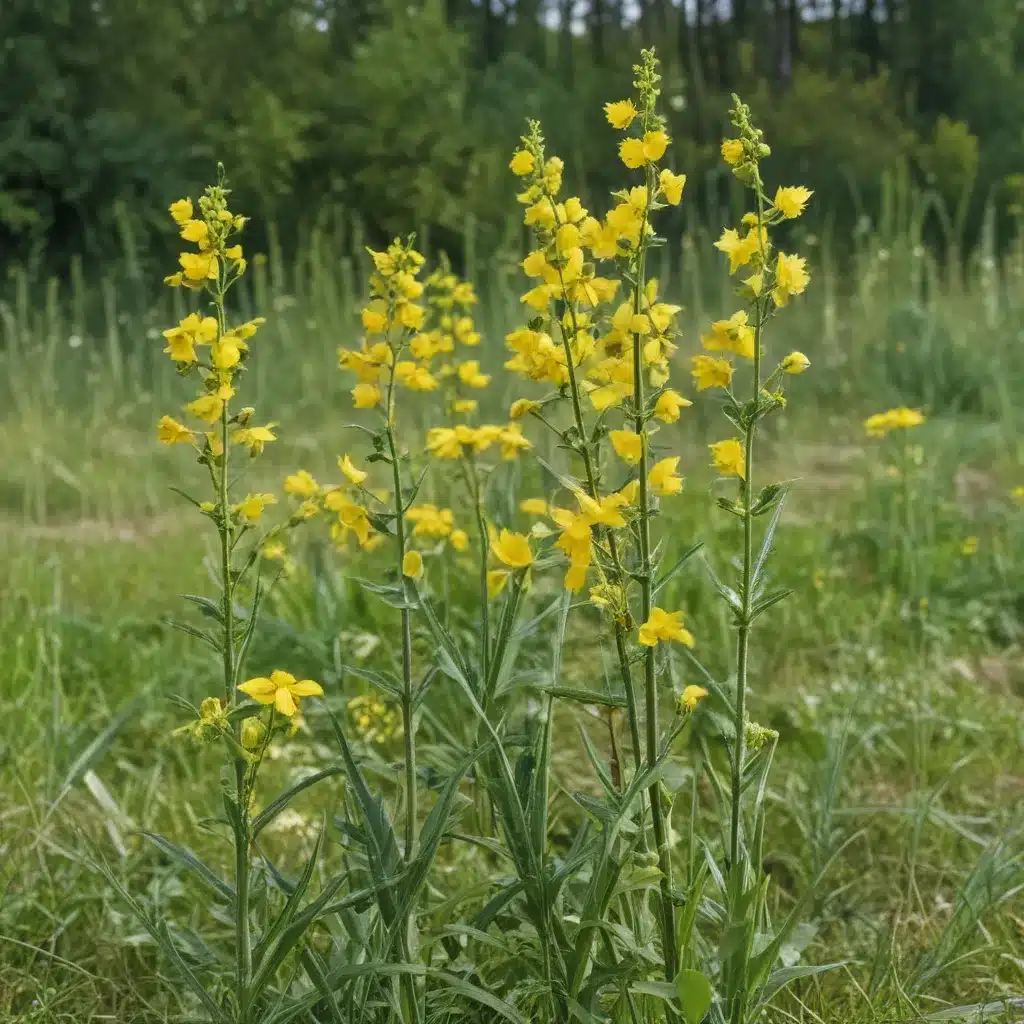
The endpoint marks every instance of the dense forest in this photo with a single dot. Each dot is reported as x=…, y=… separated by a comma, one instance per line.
x=406, y=111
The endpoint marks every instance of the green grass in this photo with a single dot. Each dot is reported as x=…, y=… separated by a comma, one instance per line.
x=894, y=673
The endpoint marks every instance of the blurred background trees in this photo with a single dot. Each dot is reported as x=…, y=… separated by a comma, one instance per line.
x=405, y=111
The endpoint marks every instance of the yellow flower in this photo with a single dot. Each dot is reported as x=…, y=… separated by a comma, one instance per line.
x=374, y=320
x=496, y=580
x=470, y=375
x=226, y=352
x=663, y=625
x=301, y=484
x=672, y=186
x=522, y=163
x=281, y=690
x=250, y=508
x=732, y=151
x=534, y=506
x=356, y=476
x=209, y=407
x=691, y=697
x=459, y=540
x=628, y=445
x=196, y=231
x=170, y=431
x=366, y=396
x=729, y=458
x=969, y=547
x=234, y=253
x=412, y=565
x=620, y=114
x=350, y=517
x=254, y=438
x=1017, y=494
x=663, y=479
x=732, y=335
x=795, y=362
x=198, y=266
x=668, y=405
x=791, y=278
x=791, y=200
x=252, y=733
x=181, y=210
x=709, y=372
x=635, y=153
x=512, y=549
x=895, y=419
x=464, y=405
x=739, y=250
x=414, y=377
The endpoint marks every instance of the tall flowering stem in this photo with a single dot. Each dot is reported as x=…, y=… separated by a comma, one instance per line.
x=205, y=346
x=610, y=533
x=774, y=278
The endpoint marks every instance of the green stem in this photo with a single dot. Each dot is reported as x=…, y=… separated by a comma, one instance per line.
x=243, y=939
x=668, y=931
x=473, y=481
x=407, y=683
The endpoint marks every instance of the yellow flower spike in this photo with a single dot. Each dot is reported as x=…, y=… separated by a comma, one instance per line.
x=795, y=362
x=366, y=396
x=791, y=278
x=181, y=211
x=790, y=201
x=282, y=690
x=691, y=696
x=672, y=187
x=663, y=478
x=522, y=163
x=512, y=549
x=251, y=507
x=663, y=625
x=709, y=372
x=301, y=484
x=732, y=151
x=354, y=475
x=412, y=565
x=170, y=431
x=628, y=445
x=668, y=406
x=620, y=114
x=729, y=457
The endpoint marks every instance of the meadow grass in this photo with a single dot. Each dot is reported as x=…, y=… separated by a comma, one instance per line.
x=893, y=673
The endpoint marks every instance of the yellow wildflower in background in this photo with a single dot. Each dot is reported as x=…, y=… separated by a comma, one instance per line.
x=732, y=335
x=412, y=564
x=301, y=484
x=690, y=697
x=251, y=507
x=170, y=431
x=348, y=468
x=894, y=419
x=795, y=362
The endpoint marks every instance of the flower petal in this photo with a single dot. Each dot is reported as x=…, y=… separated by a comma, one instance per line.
x=285, y=702
x=306, y=688
x=281, y=678
x=260, y=689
